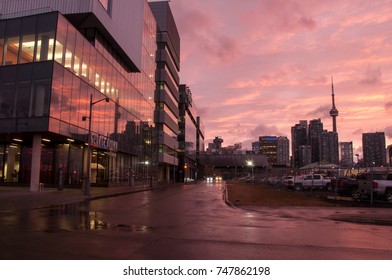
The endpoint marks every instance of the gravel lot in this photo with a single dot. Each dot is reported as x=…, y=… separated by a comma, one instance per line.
x=247, y=194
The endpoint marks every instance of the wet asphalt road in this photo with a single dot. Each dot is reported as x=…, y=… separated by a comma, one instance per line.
x=193, y=222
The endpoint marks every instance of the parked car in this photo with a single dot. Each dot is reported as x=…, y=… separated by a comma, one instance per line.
x=315, y=181
x=288, y=181
x=365, y=183
x=345, y=186
x=380, y=185
x=383, y=188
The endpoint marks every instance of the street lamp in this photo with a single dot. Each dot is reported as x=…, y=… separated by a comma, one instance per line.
x=251, y=165
x=88, y=175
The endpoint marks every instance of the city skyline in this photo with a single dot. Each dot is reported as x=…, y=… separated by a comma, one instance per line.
x=259, y=67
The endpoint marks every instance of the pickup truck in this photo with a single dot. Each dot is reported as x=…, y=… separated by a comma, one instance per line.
x=384, y=187
x=379, y=184
x=345, y=186
x=315, y=181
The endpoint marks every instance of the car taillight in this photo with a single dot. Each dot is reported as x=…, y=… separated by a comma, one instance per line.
x=375, y=185
x=341, y=183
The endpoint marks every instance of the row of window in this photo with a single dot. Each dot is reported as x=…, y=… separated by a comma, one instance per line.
x=25, y=90
x=70, y=102
x=32, y=39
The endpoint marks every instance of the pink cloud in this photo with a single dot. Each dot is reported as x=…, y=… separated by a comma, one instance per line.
x=248, y=61
x=388, y=106
x=280, y=16
x=372, y=76
x=268, y=130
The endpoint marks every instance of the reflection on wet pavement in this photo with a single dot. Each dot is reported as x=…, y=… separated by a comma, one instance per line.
x=63, y=218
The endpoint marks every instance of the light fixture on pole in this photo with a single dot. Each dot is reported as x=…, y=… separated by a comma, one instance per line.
x=88, y=174
x=251, y=165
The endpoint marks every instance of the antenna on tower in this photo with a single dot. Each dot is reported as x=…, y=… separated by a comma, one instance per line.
x=333, y=112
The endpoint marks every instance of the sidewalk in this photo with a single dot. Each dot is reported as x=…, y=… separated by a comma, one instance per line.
x=19, y=198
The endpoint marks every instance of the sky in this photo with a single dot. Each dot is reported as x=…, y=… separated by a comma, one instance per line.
x=258, y=67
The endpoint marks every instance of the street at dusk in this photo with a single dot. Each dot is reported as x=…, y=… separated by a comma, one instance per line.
x=226, y=138
x=191, y=222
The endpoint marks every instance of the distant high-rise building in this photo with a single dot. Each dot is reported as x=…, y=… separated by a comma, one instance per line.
x=329, y=147
x=346, y=154
x=216, y=146
x=304, y=155
x=283, y=151
x=374, y=152
x=256, y=147
x=314, y=135
x=299, y=136
x=389, y=155
x=218, y=142
x=269, y=148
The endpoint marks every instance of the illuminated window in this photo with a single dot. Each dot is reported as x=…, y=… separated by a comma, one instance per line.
x=58, y=55
x=45, y=46
x=11, y=50
x=27, y=49
x=68, y=59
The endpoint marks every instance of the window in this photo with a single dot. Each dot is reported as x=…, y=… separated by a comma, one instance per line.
x=45, y=36
x=107, y=5
x=2, y=36
x=7, y=101
x=12, y=42
x=23, y=99
x=61, y=36
x=27, y=48
x=11, y=50
x=40, y=101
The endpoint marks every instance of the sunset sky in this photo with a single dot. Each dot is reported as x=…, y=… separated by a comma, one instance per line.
x=257, y=67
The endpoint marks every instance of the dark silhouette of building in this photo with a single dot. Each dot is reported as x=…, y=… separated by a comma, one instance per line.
x=329, y=147
x=314, y=137
x=299, y=137
x=189, y=138
x=374, y=151
x=346, y=154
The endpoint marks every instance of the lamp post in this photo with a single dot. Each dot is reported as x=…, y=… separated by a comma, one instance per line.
x=88, y=175
x=251, y=165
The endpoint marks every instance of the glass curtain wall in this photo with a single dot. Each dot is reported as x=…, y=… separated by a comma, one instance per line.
x=62, y=91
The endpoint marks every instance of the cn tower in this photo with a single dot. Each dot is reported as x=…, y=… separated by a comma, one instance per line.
x=333, y=112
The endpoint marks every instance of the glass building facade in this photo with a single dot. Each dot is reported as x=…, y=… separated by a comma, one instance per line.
x=49, y=71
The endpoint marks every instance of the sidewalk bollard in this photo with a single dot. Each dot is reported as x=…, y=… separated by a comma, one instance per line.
x=41, y=187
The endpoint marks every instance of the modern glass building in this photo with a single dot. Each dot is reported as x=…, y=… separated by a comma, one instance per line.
x=56, y=64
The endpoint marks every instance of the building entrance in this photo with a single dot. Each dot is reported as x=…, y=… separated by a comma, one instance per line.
x=9, y=163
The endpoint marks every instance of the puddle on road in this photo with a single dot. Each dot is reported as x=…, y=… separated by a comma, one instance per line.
x=362, y=220
x=71, y=217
